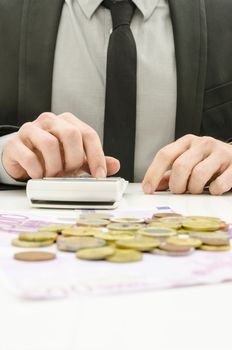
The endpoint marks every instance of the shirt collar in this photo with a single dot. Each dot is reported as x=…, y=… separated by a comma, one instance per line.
x=146, y=7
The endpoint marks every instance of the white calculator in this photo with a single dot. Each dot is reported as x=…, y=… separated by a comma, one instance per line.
x=76, y=192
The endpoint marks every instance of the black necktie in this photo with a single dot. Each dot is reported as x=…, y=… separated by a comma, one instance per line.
x=120, y=103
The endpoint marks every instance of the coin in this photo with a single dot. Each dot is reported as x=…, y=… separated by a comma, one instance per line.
x=54, y=228
x=95, y=253
x=27, y=244
x=96, y=216
x=174, y=247
x=158, y=232
x=165, y=215
x=142, y=244
x=73, y=244
x=124, y=227
x=128, y=220
x=158, y=251
x=173, y=219
x=92, y=222
x=217, y=238
x=171, y=225
x=108, y=236
x=202, y=218
x=125, y=256
x=34, y=256
x=212, y=248
x=188, y=242
x=81, y=231
x=37, y=236
x=201, y=225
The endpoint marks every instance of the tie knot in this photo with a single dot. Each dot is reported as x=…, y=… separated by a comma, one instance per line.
x=121, y=11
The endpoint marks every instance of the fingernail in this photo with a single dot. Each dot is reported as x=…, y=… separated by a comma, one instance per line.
x=147, y=188
x=100, y=173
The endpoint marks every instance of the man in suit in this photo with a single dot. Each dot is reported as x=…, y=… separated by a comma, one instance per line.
x=53, y=60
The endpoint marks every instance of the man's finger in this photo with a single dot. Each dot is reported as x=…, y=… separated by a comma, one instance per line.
x=92, y=146
x=20, y=162
x=163, y=161
x=183, y=166
x=222, y=183
x=204, y=171
x=69, y=136
x=113, y=166
x=47, y=144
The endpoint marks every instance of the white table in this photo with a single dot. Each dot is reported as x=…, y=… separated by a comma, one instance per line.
x=196, y=318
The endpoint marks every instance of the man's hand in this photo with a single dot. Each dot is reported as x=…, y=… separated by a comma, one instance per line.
x=189, y=164
x=55, y=145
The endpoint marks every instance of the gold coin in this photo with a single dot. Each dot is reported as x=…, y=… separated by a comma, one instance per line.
x=81, y=231
x=92, y=222
x=96, y=216
x=125, y=256
x=188, y=242
x=34, y=256
x=173, y=219
x=73, y=244
x=123, y=233
x=95, y=253
x=158, y=232
x=158, y=251
x=54, y=228
x=202, y=218
x=142, y=244
x=212, y=248
x=124, y=227
x=28, y=244
x=171, y=225
x=108, y=236
x=37, y=236
x=128, y=220
x=182, y=231
x=218, y=238
x=201, y=225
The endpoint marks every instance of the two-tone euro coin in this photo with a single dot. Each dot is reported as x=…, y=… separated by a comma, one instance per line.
x=73, y=244
x=157, y=232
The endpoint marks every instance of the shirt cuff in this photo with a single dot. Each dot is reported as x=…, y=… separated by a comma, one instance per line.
x=5, y=178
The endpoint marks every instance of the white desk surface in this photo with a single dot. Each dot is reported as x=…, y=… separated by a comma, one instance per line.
x=194, y=318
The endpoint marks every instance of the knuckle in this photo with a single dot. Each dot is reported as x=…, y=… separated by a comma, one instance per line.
x=207, y=141
x=189, y=137
x=89, y=133
x=71, y=133
x=25, y=128
x=30, y=159
x=163, y=154
x=198, y=172
x=44, y=117
x=50, y=142
x=67, y=116
x=179, y=166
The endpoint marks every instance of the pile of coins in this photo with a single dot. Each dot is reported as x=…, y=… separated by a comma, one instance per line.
x=104, y=237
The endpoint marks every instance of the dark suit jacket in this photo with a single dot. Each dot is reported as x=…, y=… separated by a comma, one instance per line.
x=203, y=42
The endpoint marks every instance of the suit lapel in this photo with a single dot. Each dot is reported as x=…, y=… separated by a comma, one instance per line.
x=190, y=36
x=40, y=22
